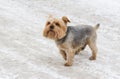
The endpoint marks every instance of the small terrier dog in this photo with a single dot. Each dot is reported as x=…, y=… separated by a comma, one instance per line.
x=71, y=40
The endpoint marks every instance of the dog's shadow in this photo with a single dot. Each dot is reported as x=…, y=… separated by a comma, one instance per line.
x=55, y=63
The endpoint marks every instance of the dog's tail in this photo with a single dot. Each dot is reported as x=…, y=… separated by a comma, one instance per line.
x=97, y=26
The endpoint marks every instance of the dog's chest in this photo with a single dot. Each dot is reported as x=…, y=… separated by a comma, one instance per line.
x=63, y=46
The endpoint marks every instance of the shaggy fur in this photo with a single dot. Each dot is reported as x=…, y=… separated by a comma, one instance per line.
x=71, y=39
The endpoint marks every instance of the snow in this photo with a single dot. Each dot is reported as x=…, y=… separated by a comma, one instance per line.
x=26, y=54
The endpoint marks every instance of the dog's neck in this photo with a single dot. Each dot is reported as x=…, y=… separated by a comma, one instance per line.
x=62, y=40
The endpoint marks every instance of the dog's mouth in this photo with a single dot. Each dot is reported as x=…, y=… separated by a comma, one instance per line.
x=51, y=34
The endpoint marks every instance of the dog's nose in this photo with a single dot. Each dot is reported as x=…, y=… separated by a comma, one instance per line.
x=51, y=27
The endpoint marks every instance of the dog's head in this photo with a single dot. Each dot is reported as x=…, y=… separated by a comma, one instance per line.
x=56, y=28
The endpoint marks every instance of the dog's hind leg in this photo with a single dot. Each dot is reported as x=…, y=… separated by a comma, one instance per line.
x=93, y=48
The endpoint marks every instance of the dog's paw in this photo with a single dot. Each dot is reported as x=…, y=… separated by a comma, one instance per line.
x=92, y=58
x=68, y=64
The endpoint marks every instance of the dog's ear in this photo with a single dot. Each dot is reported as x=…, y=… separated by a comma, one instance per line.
x=65, y=19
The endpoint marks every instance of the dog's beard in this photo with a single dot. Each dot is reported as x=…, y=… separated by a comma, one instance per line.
x=55, y=35
x=52, y=34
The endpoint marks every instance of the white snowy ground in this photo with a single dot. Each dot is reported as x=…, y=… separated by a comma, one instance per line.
x=26, y=54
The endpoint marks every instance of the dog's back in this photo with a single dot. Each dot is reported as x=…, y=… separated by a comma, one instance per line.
x=79, y=34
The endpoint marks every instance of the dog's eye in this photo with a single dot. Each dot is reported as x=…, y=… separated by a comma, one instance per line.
x=57, y=24
x=48, y=23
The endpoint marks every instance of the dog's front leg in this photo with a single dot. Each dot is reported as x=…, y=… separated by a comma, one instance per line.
x=62, y=52
x=70, y=56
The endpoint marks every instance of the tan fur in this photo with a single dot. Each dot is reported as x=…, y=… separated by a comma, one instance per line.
x=58, y=31
x=65, y=19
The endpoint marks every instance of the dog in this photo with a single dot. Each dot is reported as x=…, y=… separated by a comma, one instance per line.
x=71, y=39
